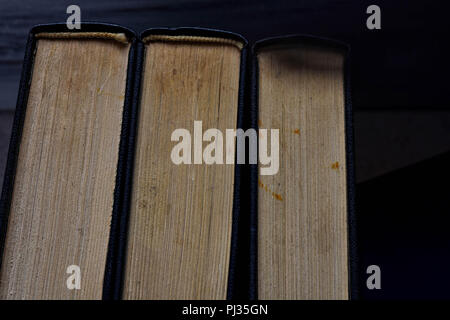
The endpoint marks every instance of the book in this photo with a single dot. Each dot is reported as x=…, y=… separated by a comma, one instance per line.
x=62, y=196
x=302, y=210
x=125, y=177
x=181, y=215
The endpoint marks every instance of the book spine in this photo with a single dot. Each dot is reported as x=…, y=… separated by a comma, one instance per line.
x=253, y=184
x=237, y=275
x=14, y=144
x=350, y=159
x=117, y=236
x=117, y=259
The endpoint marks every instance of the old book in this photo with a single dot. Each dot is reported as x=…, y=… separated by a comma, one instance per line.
x=114, y=168
x=303, y=237
x=180, y=218
x=59, y=190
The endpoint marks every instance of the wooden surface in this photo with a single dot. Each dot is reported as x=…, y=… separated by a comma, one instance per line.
x=180, y=218
x=302, y=225
x=63, y=192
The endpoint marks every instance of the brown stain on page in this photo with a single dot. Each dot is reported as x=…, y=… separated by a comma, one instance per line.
x=335, y=166
x=267, y=189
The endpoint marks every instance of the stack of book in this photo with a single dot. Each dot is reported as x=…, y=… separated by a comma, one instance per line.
x=119, y=168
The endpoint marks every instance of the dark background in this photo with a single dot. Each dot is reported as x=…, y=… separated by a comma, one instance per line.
x=401, y=107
